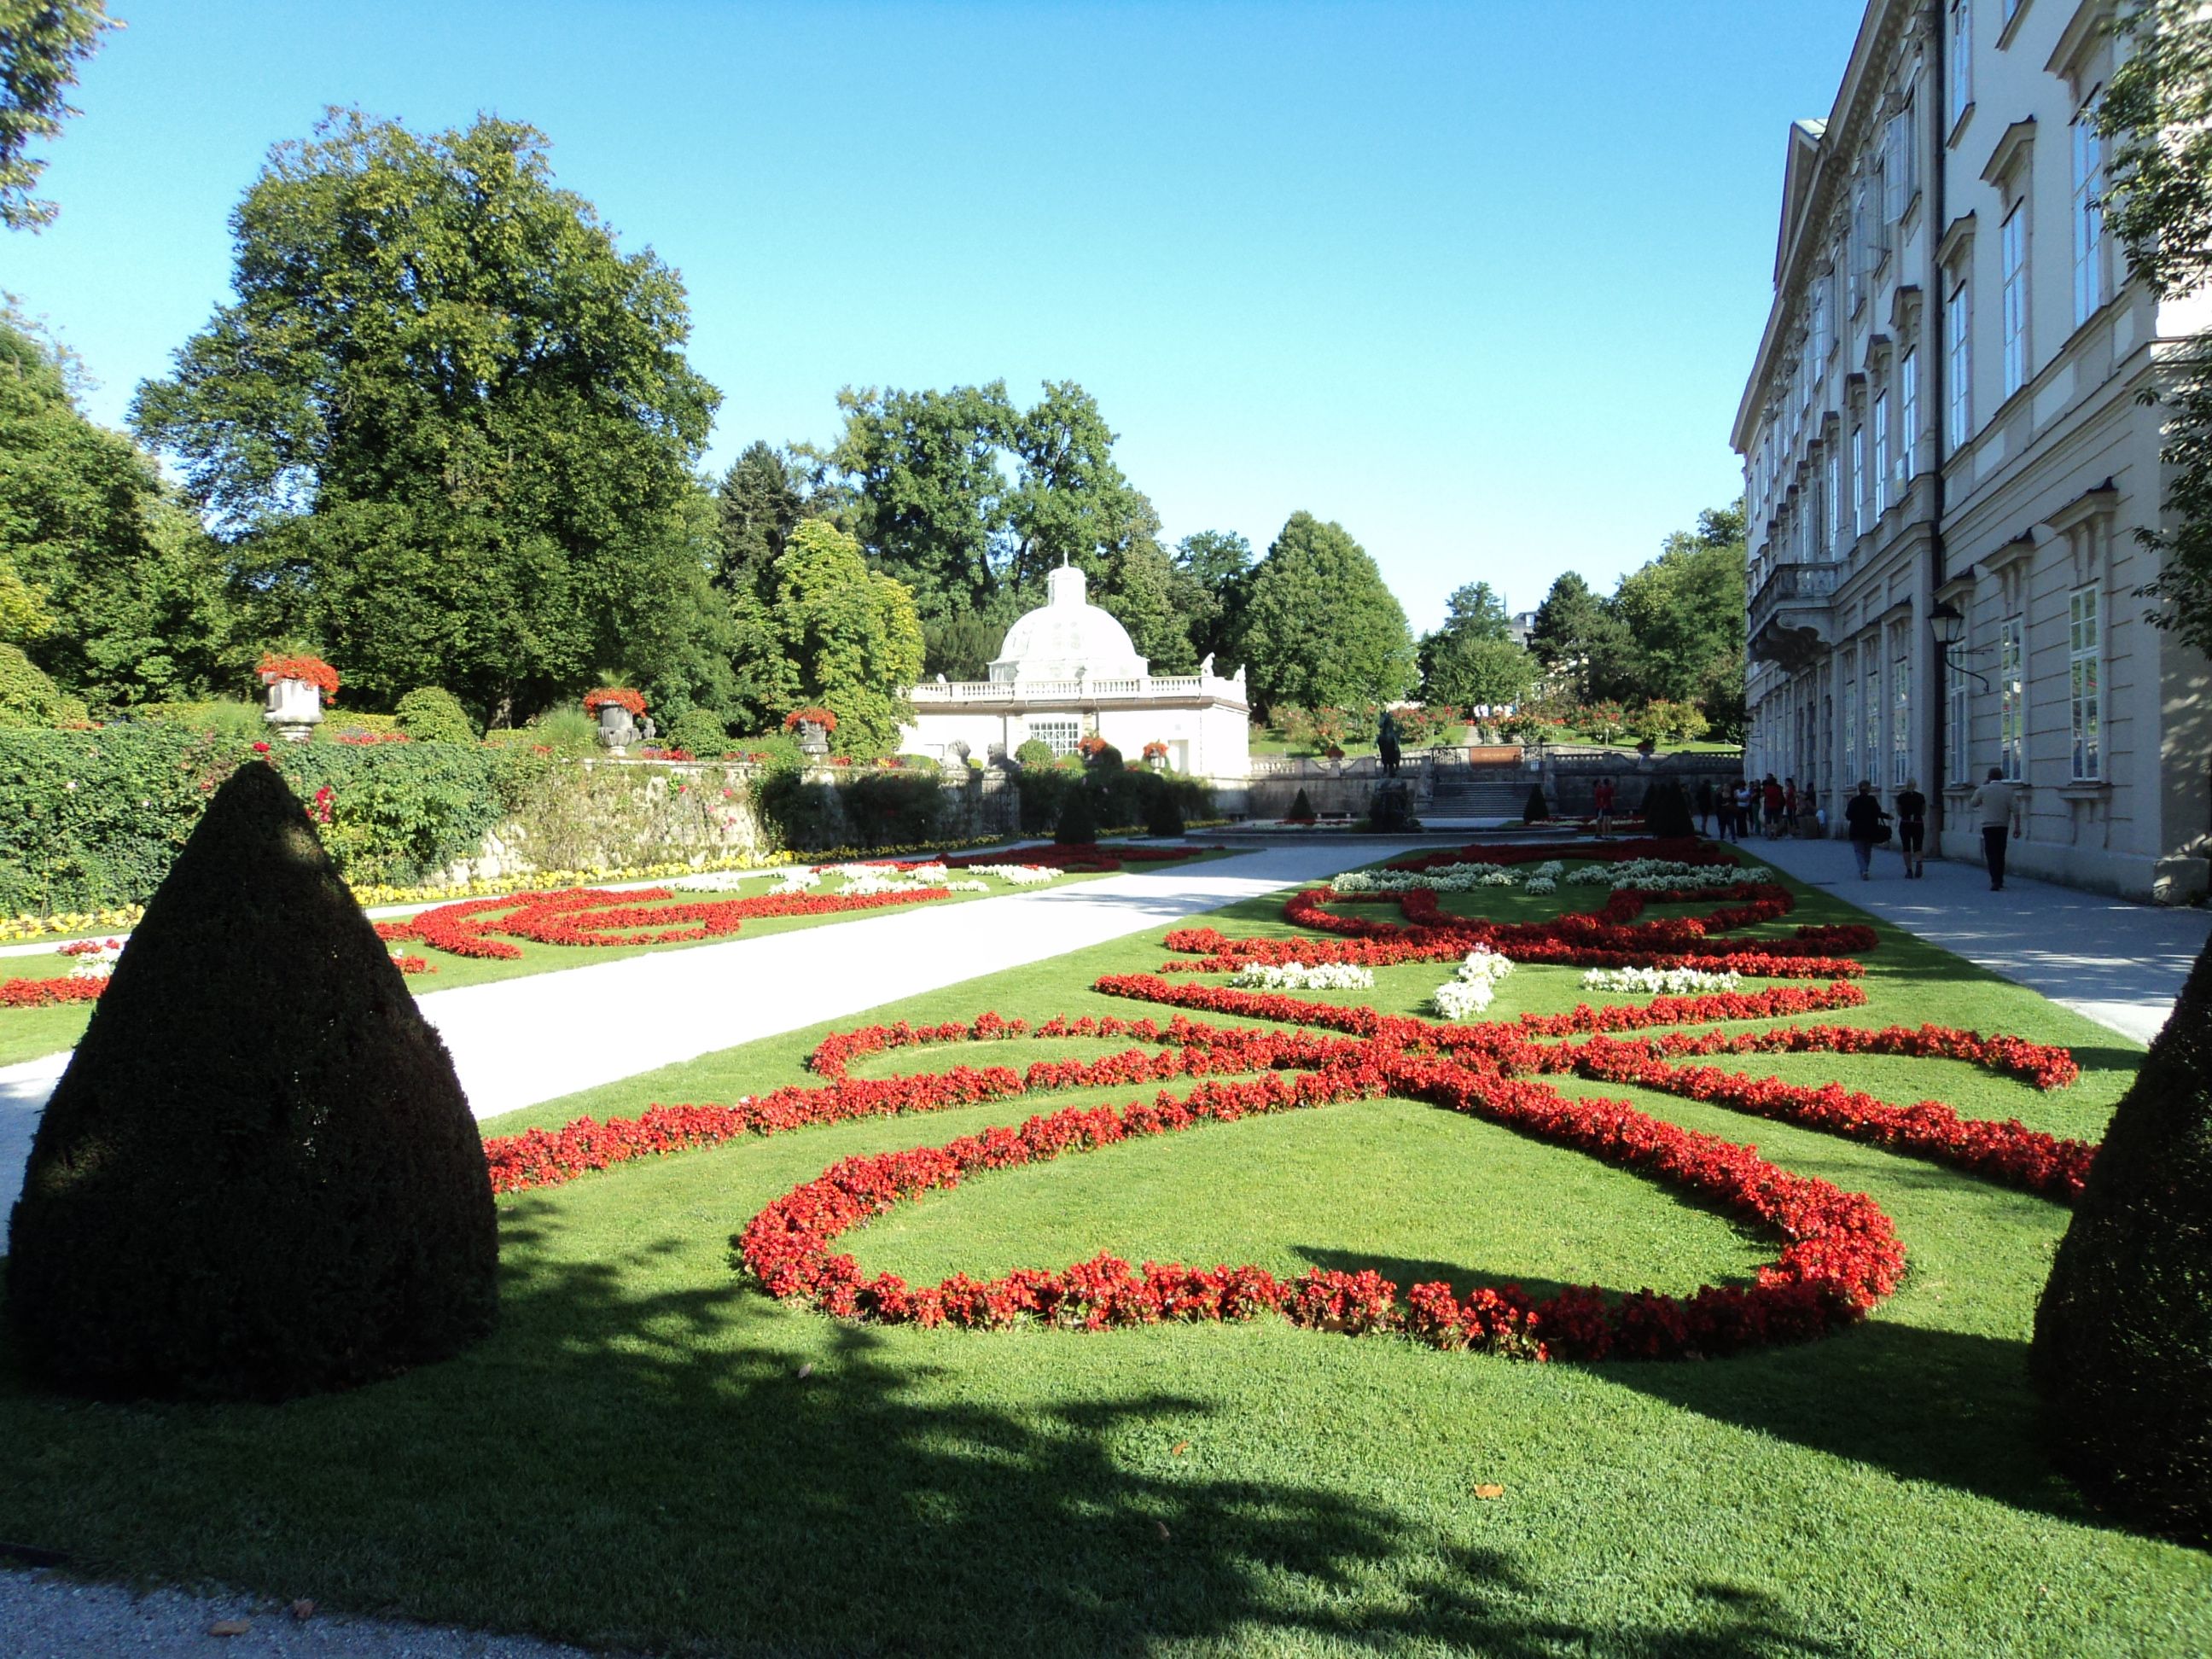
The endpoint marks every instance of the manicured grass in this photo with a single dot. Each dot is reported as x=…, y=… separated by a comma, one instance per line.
x=27, y=1033
x=634, y=1457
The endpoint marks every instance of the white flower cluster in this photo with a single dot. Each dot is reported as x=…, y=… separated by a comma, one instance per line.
x=1453, y=878
x=1659, y=982
x=97, y=964
x=1665, y=875
x=791, y=878
x=1298, y=976
x=1475, y=986
x=1021, y=875
x=1549, y=870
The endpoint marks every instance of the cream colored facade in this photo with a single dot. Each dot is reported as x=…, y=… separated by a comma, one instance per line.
x=1067, y=670
x=1946, y=408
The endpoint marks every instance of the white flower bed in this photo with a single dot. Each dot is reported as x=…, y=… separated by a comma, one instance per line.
x=1665, y=875
x=1021, y=875
x=1298, y=976
x=1540, y=884
x=1453, y=878
x=1659, y=982
x=1547, y=872
x=1474, y=987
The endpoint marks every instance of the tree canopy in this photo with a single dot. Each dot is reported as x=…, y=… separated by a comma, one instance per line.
x=1685, y=612
x=1320, y=627
x=841, y=635
x=1215, y=567
x=449, y=426
x=105, y=580
x=42, y=45
x=1473, y=659
x=1579, y=639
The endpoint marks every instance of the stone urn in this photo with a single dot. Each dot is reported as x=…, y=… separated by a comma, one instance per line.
x=813, y=737
x=617, y=729
x=295, y=708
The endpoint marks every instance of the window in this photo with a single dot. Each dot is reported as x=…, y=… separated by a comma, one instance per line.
x=1059, y=736
x=1956, y=729
x=1900, y=711
x=2012, y=704
x=1899, y=170
x=1851, y=733
x=2012, y=249
x=2082, y=682
x=1958, y=324
x=1867, y=654
x=1908, y=401
x=2088, y=219
x=1962, y=57
x=1860, y=261
x=1823, y=327
x=1858, y=481
x=1834, y=489
x=1881, y=453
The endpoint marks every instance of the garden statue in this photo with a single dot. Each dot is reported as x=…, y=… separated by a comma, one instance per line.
x=1386, y=744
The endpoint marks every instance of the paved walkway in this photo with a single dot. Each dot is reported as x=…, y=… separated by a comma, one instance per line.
x=2119, y=963
x=518, y=1041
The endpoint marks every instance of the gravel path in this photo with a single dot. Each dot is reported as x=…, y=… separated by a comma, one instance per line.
x=45, y=1616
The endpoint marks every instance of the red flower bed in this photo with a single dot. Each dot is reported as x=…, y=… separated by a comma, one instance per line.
x=44, y=993
x=590, y=915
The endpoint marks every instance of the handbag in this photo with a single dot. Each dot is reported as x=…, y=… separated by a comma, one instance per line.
x=1880, y=833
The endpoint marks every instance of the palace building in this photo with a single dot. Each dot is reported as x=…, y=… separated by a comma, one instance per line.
x=1067, y=670
x=1947, y=455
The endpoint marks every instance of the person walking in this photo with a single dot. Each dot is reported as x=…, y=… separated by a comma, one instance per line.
x=1991, y=804
x=1912, y=828
x=1790, y=807
x=1601, y=805
x=1867, y=825
x=1770, y=800
x=1746, y=809
x=1704, y=807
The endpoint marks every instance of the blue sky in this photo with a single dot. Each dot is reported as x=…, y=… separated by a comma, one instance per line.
x=1481, y=282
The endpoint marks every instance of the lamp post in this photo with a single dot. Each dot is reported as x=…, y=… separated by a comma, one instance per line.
x=1949, y=624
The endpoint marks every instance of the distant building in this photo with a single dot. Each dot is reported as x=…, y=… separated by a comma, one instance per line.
x=1523, y=624
x=1067, y=670
x=1945, y=415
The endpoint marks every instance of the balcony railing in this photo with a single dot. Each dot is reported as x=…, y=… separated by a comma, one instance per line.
x=1146, y=688
x=1793, y=584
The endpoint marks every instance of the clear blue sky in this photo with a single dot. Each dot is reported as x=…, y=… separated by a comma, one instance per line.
x=1482, y=282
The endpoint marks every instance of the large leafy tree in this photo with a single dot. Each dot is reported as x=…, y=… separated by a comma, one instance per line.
x=1216, y=570
x=1685, y=611
x=42, y=43
x=761, y=500
x=1322, y=627
x=841, y=635
x=1579, y=638
x=2158, y=112
x=1474, y=659
x=446, y=423
x=105, y=580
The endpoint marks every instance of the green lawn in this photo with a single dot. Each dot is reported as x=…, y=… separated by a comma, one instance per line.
x=27, y=1033
x=636, y=1457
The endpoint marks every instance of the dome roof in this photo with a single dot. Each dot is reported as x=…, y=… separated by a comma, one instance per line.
x=1067, y=636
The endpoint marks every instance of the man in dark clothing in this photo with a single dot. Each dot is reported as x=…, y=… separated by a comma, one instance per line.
x=1865, y=817
x=1912, y=827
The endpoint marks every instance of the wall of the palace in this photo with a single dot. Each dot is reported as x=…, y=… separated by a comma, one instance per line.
x=2042, y=487
x=1210, y=739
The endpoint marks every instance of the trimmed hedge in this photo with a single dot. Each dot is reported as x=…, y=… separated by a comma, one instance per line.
x=259, y=1177
x=432, y=714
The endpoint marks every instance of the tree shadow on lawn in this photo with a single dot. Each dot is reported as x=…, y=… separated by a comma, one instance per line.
x=1939, y=1405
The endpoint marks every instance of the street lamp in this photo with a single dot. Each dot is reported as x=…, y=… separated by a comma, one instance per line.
x=1949, y=624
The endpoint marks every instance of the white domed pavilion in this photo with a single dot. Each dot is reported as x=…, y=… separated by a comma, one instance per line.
x=1068, y=670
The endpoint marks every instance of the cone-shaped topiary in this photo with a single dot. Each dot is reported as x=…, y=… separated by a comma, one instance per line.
x=1538, y=809
x=1301, y=810
x=2123, y=1348
x=258, y=1176
x=1666, y=812
x=1079, y=817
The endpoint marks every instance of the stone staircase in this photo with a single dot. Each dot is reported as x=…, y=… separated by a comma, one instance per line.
x=1476, y=798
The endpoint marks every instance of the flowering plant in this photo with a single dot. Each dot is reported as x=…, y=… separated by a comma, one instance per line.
x=313, y=670
x=615, y=697
x=814, y=712
x=1156, y=752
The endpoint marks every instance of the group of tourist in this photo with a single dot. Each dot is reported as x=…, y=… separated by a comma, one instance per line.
x=1869, y=826
x=1745, y=808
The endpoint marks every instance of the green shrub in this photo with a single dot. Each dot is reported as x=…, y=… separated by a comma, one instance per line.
x=1163, y=814
x=1040, y=791
x=1537, y=810
x=1666, y=809
x=699, y=732
x=566, y=731
x=228, y=717
x=802, y=816
x=1035, y=752
x=1078, y=820
x=432, y=714
x=1106, y=759
x=2123, y=1348
x=259, y=1177
x=892, y=809
x=27, y=697
x=1301, y=809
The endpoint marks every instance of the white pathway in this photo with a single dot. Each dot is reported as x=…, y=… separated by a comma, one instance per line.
x=518, y=1041
x=2119, y=963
